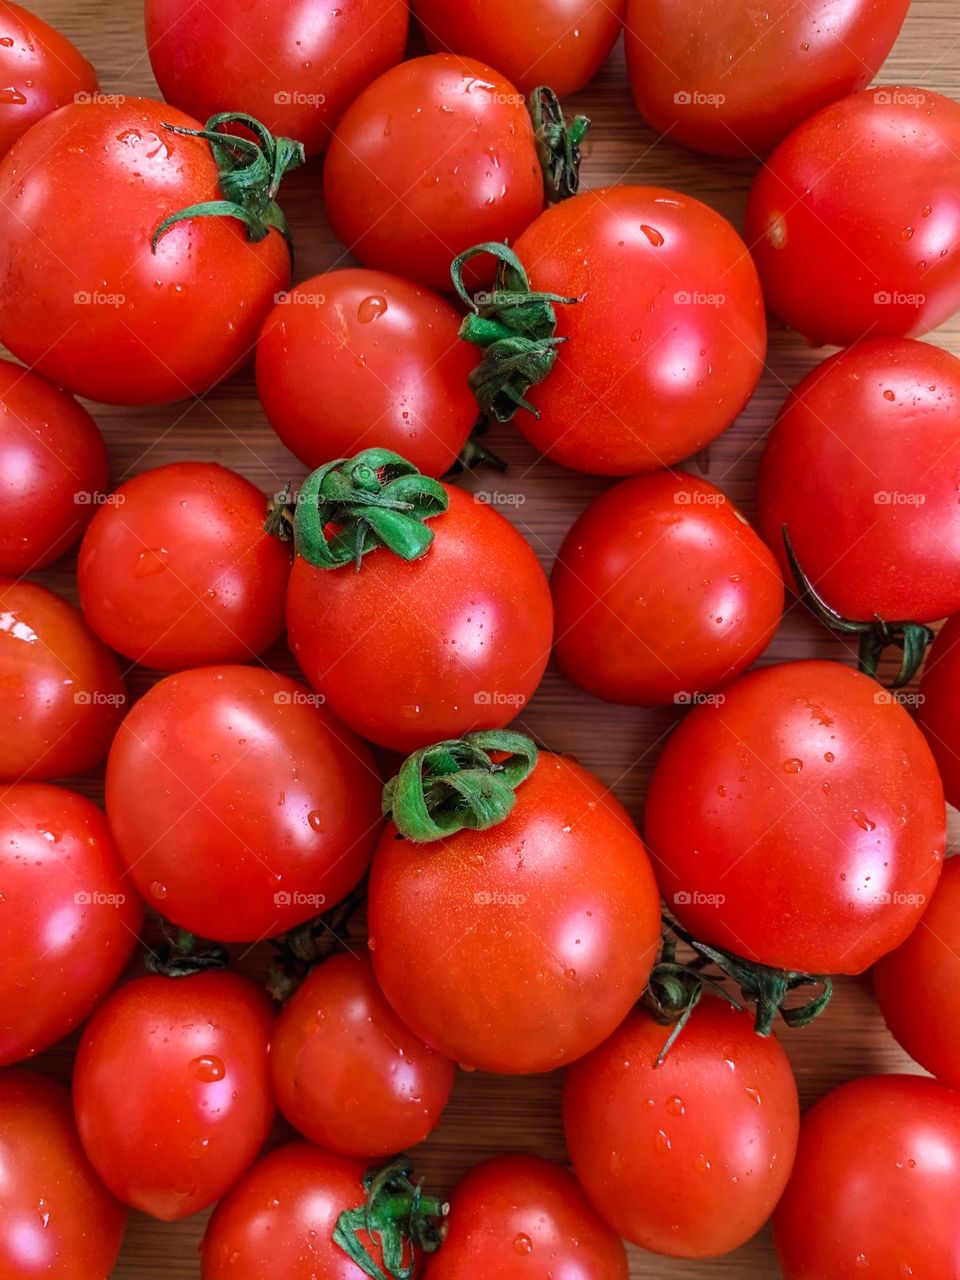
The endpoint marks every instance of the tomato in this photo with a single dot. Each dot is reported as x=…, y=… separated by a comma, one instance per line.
x=61, y=692
x=876, y=1184
x=177, y=571
x=171, y=1089
x=40, y=70
x=435, y=156
x=939, y=706
x=560, y=43
x=353, y=359
x=662, y=591
x=346, y=1071
x=239, y=805
x=84, y=300
x=734, y=79
x=798, y=819
x=527, y=1219
x=58, y=1221
x=295, y=67
x=853, y=218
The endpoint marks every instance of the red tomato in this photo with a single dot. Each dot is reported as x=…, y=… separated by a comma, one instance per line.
x=434, y=157
x=85, y=301
x=58, y=1221
x=852, y=221
x=70, y=922
x=798, y=820
x=171, y=1089
x=177, y=571
x=939, y=706
x=346, y=1071
x=355, y=359
x=560, y=43
x=240, y=806
x=734, y=79
x=40, y=70
x=720, y=1115
x=296, y=66
x=61, y=692
x=528, y=1220
x=662, y=591
x=876, y=1184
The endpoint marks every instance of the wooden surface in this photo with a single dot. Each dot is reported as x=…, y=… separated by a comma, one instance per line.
x=489, y=1114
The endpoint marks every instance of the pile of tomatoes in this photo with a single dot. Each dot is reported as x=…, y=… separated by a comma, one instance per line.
x=438, y=891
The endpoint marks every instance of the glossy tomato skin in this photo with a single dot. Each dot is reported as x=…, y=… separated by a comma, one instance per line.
x=528, y=1220
x=434, y=157
x=517, y=949
x=85, y=301
x=177, y=570
x=852, y=219
x=290, y=804
x=662, y=591
x=347, y=1073
x=171, y=1089
x=357, y=359
x=61, y=694
x=939, y=706
x=666, y=344
x=53, y=471
x=295, y=67
x=733, y=80
x=59, y=1221
x=876, y=1184
x=800, y=821
x=409, y=653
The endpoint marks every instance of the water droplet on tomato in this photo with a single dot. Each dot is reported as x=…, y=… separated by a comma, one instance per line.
x=653, y=235
x=151, y=561
x=371, y=309
x=522, y=1244
x=208, y=1068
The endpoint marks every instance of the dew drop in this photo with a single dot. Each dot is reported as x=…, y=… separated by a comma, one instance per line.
x=208, y=1068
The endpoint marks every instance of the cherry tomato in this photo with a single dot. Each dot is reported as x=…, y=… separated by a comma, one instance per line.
x=295, y=66
x=171, y=1089
x=355, y=359
x=84, y=300
x=734, y=79
x=798, y=821
x=876, y=1184
x=852, y=220
x=528, y=1220
x=177, y=571
x=939, y=706
x=240, y=806
x=58, y=1220
x=61, y=692
x=662, y=591
x=346, y=1071
x=434, y=157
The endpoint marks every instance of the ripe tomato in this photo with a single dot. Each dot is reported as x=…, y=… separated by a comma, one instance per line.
x=177, y=570
x=61, y=692
x=346, y=1071
x=528, y=1220
x=296, y=67
x=171, y=1089
x=84, y=300
x=240, y=806
x=876, y=1184
x=798, y=820
x=53, y=469
x=58, y=1221
x=852, y=219
x=735, y=79
x=662, y=591
x=939, y=709
x=720, y=1113
x=355, y=359
x=40, y=70
x=435, y=156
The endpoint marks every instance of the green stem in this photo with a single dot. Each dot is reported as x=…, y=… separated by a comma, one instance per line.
x=558, y=144
x=475, y=453
x=181, y=954
x=399, y=1217
x=309, y=944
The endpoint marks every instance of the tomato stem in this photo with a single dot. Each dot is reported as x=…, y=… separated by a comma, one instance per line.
x=181, y=954
x=558, y=144
x=399, y=1216
x=301, y=949
x=475, y=453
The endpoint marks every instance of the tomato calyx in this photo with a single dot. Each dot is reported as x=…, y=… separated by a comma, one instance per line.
x=301, y=949
x=558, y=144
x=251, y=171
x=401, y=1218
x=464, y=783
x=516, y=328
x=475, y=453
x=181, y=954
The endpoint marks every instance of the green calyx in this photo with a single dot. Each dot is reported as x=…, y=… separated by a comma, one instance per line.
x=180, y=954
x=457, y=785
x=399, y=1217
x=251, y=171
x=558, y=144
